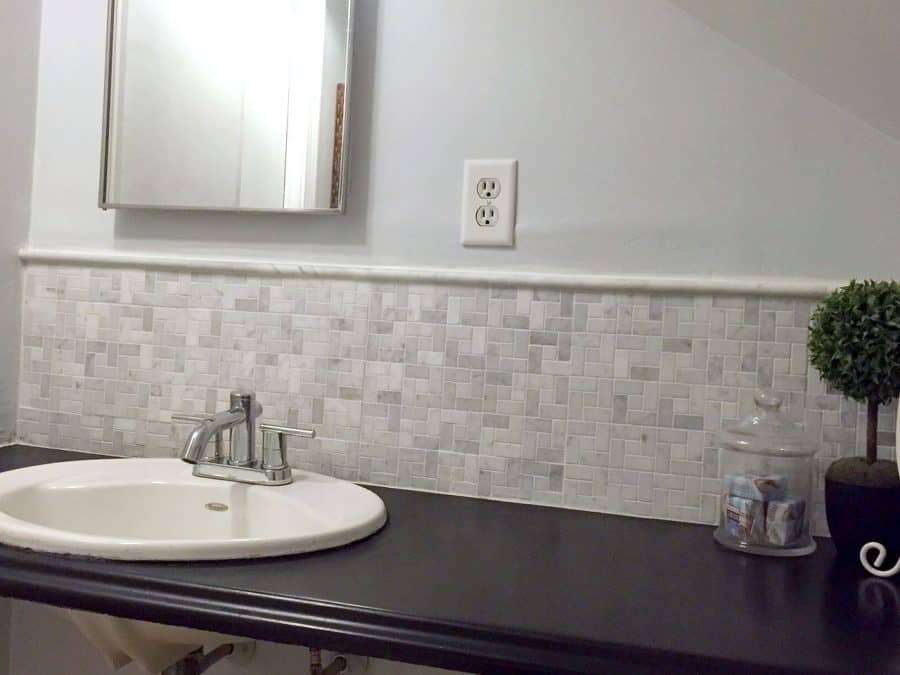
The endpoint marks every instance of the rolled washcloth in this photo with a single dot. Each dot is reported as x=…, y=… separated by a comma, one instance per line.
x=784, y=521
x=745, y=519
x=761, y=488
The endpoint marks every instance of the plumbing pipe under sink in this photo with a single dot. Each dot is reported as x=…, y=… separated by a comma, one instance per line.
x=152, y=647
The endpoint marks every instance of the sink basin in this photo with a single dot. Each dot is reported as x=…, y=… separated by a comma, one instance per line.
x=155, y=509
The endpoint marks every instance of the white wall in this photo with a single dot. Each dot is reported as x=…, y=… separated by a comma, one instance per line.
x=19, y=42
x=846, y=51
x=647, y=143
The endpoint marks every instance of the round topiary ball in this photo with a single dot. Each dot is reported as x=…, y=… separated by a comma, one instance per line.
x=854, y=340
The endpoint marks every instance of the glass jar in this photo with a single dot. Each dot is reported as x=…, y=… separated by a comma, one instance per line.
x=768, y=475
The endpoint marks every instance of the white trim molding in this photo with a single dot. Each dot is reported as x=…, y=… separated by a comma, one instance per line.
x=737, y=285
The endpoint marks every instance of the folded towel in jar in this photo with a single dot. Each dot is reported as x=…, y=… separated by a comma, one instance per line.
x=745, y=519
x=784, y=521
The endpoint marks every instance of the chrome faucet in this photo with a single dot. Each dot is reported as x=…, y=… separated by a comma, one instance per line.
x=242, y=413
x=242, y=464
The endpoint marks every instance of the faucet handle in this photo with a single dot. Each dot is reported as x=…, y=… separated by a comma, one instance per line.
x=275, y=444
x=191, y=418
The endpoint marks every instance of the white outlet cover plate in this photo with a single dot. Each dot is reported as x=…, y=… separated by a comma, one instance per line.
x=502, y=231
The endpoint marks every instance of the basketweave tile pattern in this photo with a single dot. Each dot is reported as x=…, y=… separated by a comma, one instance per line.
x=602, y=401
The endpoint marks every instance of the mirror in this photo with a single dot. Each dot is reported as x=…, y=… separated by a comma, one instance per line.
x=227, y=105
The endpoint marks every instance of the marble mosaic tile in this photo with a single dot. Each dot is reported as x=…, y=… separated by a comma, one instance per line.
x=602, y=401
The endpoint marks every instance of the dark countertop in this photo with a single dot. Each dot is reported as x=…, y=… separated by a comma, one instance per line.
x=496, y=587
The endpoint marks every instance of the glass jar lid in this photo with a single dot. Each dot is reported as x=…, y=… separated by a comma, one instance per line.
x=769, y=432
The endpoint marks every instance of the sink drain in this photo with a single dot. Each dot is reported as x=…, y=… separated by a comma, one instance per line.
x=216, y=506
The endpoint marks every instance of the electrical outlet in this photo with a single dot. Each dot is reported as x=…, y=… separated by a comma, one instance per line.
x=486, y=216
x=489, y=202
x=488, y=188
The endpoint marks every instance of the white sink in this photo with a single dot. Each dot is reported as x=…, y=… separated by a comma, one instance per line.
x=155, y=509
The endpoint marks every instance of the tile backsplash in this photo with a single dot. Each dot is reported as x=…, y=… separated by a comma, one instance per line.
x=602, y=401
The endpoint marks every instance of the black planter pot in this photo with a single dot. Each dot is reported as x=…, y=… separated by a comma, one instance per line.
x=859, y=514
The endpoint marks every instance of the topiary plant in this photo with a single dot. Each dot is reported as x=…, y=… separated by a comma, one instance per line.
x=854, y=343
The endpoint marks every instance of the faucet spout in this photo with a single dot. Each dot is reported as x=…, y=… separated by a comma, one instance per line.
x=201, y=435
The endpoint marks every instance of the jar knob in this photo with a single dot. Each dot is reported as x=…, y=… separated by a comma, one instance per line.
x=768, y=400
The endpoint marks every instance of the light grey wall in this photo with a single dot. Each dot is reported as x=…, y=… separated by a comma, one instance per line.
x=19, y=48
x=19, y=44
x=648, y=143
x=844, y=50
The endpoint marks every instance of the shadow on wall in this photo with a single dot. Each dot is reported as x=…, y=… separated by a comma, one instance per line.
x=349, y=229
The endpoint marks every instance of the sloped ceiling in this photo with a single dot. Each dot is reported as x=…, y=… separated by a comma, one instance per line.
x=846, y=50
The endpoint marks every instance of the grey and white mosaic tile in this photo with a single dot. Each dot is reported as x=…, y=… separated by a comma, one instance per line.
x=602, y=401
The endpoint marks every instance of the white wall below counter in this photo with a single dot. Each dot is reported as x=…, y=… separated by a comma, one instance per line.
x=648, y=144
x=34, y=626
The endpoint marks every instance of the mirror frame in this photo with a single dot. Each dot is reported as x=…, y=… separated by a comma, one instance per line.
x=103, y=200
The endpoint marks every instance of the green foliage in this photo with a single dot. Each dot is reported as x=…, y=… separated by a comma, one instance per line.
x=854, y=340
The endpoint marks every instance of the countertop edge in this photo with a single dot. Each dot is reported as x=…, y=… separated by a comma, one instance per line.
x=61, y=581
